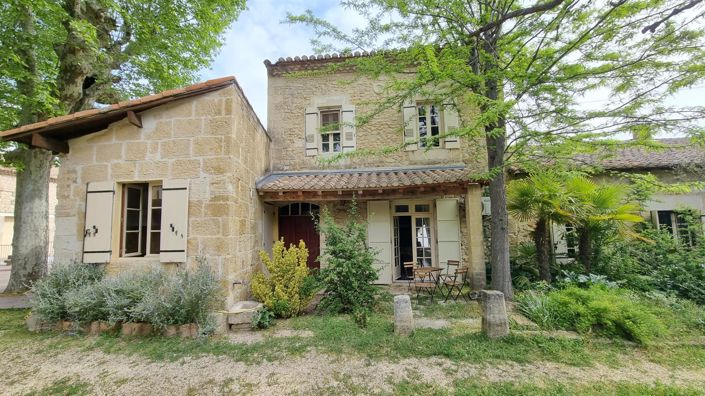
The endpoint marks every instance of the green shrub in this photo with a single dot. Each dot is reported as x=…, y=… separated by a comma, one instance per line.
x=87, y=303
x=126, y=291
x=262, y=319
x=49, y=293
x=597, y=309
x=657, y=261
x=349, y=271
x=286, y=289
x=178, y=298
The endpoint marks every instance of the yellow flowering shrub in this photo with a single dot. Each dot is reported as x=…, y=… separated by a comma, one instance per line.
x=282, y=290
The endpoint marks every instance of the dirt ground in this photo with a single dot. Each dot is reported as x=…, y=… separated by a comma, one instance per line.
x=32, y=369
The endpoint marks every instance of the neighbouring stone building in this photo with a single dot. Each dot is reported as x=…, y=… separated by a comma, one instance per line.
x=7, y=211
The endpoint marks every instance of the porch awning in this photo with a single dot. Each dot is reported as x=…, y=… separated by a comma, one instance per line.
x=363, y=183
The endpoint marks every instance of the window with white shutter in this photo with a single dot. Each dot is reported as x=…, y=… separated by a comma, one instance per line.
x=448, y=225
x=451, y=122
x=348, y=127
x=379, y=235
x=311, y=131
x=408, y=112
x=174, y=221
x=98, y=222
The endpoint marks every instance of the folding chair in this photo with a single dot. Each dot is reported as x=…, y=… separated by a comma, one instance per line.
x=409, y=265
x=424, y=282
x=451, y=266
x=455, y=282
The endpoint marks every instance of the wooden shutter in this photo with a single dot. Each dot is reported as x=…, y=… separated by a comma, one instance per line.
x=560, y=242
x=348, y=127
x=97, y=232
x=172, y=244
x=451, y=123
x=408, y=111
x=448, y=225
x=379, y=235
x=311, y=134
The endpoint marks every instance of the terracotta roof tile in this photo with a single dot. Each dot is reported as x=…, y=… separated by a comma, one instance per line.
x=678, y=152
x=118, y=107
x=362, y=179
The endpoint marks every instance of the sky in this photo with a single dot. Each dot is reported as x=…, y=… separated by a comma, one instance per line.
x=259, y=34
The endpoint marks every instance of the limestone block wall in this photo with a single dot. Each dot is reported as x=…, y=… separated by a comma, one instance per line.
x=216, y=142
x=288, y=97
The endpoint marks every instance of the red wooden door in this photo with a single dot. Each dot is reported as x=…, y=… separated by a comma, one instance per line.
x=296, y=228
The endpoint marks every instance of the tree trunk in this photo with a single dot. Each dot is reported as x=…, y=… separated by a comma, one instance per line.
x=30, y=241
x=543, y=249
x=585, y=248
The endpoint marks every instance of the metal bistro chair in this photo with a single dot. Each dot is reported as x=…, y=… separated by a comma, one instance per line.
x=409, y=265
x=451, y=267
x=424, y=282
x=455, y=282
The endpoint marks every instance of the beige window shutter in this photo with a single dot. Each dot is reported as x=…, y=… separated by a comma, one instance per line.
x=408, y=111
x=311, y=134
x=97, y=232
x=379, y=236
x=558, y=237
x=451, y=122
x=348, y=127
x=174, y=227
x=448, y=225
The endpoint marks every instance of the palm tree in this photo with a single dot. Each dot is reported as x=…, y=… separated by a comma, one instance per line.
x=597, y=208
x=542, y=197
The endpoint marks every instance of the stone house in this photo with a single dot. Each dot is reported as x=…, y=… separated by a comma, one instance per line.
x=419, y=202
x=160, y=181
x=679, y=161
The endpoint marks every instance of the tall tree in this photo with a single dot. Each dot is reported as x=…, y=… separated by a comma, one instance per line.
x=63, y=56
x=529, y=67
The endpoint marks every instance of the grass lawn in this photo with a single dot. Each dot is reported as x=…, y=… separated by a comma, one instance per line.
x=467, y=358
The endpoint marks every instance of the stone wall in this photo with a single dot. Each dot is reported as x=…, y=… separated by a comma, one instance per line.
x=213, y=140
x=7, y=206
x=288, y=98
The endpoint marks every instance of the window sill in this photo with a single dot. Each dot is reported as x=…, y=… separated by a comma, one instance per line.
x=144, y=259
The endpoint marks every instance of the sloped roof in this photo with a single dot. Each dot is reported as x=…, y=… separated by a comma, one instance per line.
x=363, y=179
x=678, y=152
x=88, y=121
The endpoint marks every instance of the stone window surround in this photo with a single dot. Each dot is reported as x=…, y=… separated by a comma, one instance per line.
x=327, y=103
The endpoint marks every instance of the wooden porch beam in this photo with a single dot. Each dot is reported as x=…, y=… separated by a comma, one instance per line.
x=53, y=145
x=134, y=119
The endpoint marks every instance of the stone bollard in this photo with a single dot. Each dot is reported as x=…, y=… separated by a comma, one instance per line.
x=495, y=323
x=403, y=315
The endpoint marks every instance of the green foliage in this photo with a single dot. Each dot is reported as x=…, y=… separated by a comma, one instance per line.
x=657, y=261
x=523, y=264
x=52, y=294
x=286, y=289
x=179, y=298
x=81, y=293
x=349, y=266
x=608, y=312
x=263, y=319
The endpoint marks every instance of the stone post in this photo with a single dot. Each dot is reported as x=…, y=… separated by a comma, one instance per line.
x=473, y=224
x=403, y=315
x=495, y=323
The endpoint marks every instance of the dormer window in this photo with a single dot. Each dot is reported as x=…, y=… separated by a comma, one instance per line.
x=330, y=131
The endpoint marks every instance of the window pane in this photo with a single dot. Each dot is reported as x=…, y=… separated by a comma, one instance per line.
x=325, y=138
x=132, y=240
x=330, y=119
x=156, y=219
x=422, y=208
x=154, y=242
x=665, y=221
x=284, y=211
x=306, y=208
x=401, y=208
x=336, y=137
x=132, y=221
x=156, y=196
x=134, y=196
x=295, y=209
x=336, y=147
x=326, y=147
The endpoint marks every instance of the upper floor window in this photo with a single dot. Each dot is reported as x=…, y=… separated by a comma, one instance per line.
x=429, y=124
x=330, y=131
